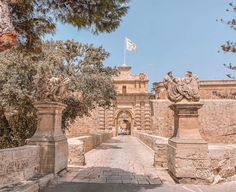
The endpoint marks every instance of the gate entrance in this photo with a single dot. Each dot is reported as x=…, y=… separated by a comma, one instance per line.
x=124, y=123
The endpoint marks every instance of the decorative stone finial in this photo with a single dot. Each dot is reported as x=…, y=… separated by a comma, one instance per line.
x=179, y=89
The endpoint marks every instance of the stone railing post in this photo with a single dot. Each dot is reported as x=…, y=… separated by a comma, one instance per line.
x=49, y=136
x=188, y=156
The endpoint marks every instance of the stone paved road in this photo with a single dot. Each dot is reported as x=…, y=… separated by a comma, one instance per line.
x=123, y=164
x=122, y=159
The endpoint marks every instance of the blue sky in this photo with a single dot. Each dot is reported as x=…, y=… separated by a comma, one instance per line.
x=175, y=35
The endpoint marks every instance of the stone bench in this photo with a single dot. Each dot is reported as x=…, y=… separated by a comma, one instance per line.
x=158, y=145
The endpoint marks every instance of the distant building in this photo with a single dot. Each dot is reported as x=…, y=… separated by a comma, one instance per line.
x=138, y=110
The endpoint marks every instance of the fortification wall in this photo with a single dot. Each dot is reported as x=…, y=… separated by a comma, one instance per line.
x=85, y=125
x=217, y=119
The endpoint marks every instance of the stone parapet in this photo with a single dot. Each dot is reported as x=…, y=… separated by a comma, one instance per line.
x=158, y=145
x=76, y=152
x=78, y=146
x=18, y=164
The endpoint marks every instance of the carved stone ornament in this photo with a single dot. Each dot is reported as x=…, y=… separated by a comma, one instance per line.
x=142, y=76
x=52, y=89
x=179, y=89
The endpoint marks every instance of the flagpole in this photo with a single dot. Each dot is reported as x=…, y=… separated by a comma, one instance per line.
x=124, y=52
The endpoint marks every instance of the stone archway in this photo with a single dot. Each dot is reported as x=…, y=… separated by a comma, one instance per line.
x=124, y=122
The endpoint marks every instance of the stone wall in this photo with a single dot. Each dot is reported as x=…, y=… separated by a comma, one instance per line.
x=18, y=164
x=217, y=119
x=223, y=161
x=162, y=118
x=158, y=145
x=78, y=146
x=76, y=152
x=85, y=125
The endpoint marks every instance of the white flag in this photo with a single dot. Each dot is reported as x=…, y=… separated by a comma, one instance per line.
x=130, y=46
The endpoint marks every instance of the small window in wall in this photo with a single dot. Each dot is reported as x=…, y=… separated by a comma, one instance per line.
x=124, y=89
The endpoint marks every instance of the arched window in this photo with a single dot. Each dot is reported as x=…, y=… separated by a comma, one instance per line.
x=124, y=89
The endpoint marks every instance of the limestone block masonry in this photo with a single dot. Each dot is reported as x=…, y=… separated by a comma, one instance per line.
x=217, y=119
x=49, y=136
x=18, y=164
x=188, y=155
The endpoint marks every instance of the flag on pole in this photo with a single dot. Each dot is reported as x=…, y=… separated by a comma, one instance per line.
x=130, y=45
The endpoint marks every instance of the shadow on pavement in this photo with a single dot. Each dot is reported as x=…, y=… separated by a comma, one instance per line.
x=102, y=179
x=99, y=187
x=112, y=140
x=104, y=146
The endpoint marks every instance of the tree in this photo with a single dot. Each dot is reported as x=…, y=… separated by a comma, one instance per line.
x=230, y=46
x=31, y=19
x=91, y=84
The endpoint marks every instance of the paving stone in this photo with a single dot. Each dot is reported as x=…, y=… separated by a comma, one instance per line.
x=115, y=177
x=131, y=181
x=154, y=181
x=114, y=181
x=128, y=176
x=143, y=181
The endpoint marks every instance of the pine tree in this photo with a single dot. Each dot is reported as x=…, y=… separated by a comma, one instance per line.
x=31, y=19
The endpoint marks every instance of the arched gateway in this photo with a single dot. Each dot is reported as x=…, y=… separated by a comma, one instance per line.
x=124, y=122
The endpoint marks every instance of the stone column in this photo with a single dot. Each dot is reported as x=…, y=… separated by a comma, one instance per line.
x=49, y=136
x=188, y=159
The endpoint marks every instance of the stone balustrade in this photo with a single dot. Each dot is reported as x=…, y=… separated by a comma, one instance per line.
x=18, y=164
x=158, y=145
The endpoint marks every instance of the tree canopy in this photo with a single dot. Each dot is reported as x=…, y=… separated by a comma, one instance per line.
x=91, y=84
x=31, y=19
x=230, y=46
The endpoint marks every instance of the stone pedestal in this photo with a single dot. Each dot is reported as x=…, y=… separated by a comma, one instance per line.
x=49, y=136
x=188, y=159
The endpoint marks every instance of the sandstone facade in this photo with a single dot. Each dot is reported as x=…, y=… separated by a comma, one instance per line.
x=132, y=108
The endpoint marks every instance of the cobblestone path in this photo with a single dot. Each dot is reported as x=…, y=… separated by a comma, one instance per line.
x=122, y=159
x=123, y=164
